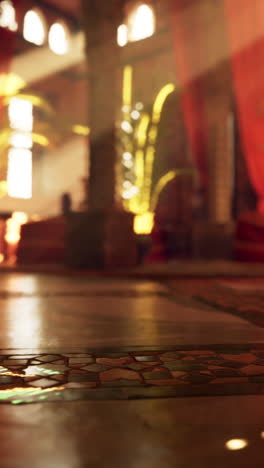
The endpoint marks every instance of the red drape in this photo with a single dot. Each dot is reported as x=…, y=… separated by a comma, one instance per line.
x=191, y=88
x=7, y=43
x=245, y=25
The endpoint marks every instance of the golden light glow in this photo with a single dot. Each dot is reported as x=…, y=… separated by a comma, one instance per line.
x=139, y=168
x=127, y=156
x=236, y=444
x=40, y=139
x=150, y=155
x=36, y=101
x=139, y=106
x=81, y=130
x=59, y=39
x=142, y=130
x=13, y=226
x=35, y=218
x=3, y=188
x=143, y=224
x=160, y=100
x=10, y=84
x=8, y=16
x=135, y=115
x=34, y=28
x=2, y=258
x=160, y=186
x=126, y=126
x=129, y=191
x=20, y=217
x=122, y=35
x=141, y=23
x=139, y=154
x=6, y=138
x=127, y=86
x=153, y=134
x=164, y=180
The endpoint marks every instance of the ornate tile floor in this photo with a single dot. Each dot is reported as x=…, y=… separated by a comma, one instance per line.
x=140, y=373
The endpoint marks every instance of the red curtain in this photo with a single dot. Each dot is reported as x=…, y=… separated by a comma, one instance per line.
x=245, y=25
x=7, y=43
x=191, y=88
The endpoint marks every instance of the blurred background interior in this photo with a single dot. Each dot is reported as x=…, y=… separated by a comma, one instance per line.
x=130, y=132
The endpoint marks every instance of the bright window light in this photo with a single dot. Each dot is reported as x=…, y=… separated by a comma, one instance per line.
x=21, y=140
x=19, y=175
x=8, y=16
x=142, y=23
x=19, y=172
x=34, y=29
x=58, y=39
x=20, y=113
x=122, y=35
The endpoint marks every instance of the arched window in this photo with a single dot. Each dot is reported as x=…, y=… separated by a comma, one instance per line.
x=122, y=35
x=141, y=23
x=34, y=29
x=59, y=38
x=8, y=15
x=19, y=173
x=20, y=113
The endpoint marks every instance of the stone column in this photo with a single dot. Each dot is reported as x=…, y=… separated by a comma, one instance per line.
x=101, y=19
x=214, y=238
x=220, y=165
x=103, y=236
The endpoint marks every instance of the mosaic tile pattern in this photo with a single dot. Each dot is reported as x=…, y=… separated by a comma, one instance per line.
x=31, y=378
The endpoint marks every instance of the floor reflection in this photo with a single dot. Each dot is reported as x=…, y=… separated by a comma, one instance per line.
x=20, y=395
x=24, y=321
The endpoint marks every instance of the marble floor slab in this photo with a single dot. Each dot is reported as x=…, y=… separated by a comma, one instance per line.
x=113, y=317
x=184, y=432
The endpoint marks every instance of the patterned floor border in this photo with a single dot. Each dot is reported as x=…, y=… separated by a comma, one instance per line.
x=130, y=373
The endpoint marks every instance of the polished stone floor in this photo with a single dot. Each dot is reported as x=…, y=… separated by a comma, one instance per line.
x=181, y=432
x=45, y=312
x=108, y=372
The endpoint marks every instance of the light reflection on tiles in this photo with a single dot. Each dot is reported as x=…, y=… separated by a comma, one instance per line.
x=23, y=395
x=39, y=370
x=4, y=371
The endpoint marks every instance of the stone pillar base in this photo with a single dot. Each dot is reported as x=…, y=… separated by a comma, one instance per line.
x=100, y=240
x=213, y=240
